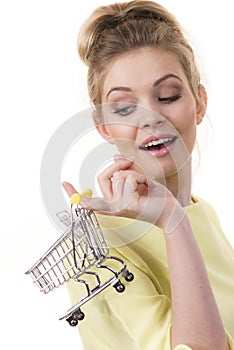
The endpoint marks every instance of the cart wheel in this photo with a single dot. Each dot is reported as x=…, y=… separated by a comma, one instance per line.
x=129, y=277
x=72, y=321
x=78, y=315
x=119, y=287
x=75, y=317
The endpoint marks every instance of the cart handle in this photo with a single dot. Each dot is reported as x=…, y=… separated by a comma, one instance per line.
x=76, y=197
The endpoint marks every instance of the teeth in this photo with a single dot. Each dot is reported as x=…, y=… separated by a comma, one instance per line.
x=158, y=142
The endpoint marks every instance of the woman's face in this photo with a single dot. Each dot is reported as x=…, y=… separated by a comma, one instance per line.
x=149, y=111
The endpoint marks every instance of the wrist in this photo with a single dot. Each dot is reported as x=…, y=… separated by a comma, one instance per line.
x=172, y=217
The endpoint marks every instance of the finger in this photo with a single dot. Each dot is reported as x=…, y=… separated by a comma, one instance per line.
x=140, y=178
x=125, y=189
x=120, y=179
x=117, y=188
x=117, y=157
x=105, y=178
x=151, y=182
x=129, y=185
x=130, y=190
x=120, y=156
x=96, y=204
x=69, y=188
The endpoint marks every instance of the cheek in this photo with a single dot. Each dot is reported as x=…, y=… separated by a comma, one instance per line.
x=184, y=118
x=188, y=126
x=124, y=137
x=122, y=131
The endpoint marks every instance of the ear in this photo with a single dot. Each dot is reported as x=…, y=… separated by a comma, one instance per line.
x=101, y=128
x=104, y=132
x=202, y=104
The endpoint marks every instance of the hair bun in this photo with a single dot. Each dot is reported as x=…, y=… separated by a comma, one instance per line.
x=102, y=18
x=108, y=17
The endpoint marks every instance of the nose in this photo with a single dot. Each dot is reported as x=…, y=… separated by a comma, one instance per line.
x=151, y=118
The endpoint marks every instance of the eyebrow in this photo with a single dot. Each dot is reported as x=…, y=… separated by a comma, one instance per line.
x=156, y=83
x=165, y=77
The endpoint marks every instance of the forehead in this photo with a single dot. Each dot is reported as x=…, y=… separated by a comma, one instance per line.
x=142, y=67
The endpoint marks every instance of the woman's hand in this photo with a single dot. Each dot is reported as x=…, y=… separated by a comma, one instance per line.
x=130, y=193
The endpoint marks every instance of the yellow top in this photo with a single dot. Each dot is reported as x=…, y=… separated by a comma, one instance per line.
x=140, y=317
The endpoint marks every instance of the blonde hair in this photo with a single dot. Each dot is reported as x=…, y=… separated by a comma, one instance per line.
x=116, y=29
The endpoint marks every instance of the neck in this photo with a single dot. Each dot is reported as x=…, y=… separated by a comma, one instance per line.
x=180, y=185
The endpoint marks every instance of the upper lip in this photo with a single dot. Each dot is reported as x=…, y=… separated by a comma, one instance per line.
x=156, y=138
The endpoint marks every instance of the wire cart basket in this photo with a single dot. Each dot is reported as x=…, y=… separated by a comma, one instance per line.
x=81, y=252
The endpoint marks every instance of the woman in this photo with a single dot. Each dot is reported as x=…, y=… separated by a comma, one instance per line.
x=145, y=86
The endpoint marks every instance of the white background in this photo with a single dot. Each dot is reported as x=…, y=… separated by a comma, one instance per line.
x=42, y=84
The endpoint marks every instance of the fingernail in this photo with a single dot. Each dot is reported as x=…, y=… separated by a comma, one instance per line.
x=127, y=158
x=117, y=156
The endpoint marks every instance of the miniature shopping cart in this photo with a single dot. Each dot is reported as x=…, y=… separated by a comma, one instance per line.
x=81, y=253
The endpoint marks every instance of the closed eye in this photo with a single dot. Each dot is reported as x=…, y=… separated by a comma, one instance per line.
x=125, y=111
x=169, y=99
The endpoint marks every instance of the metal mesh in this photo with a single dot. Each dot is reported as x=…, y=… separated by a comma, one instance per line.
x=76, y=251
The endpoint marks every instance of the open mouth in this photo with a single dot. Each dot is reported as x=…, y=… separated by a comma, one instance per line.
x=158, y=144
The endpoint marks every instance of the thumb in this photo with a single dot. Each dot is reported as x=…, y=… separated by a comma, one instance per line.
x=74, y=195
x=69, y=188
x=97, y=204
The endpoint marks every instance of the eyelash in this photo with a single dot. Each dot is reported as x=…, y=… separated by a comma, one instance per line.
x=170, y=99
x=121, y=111
x=130, y=109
